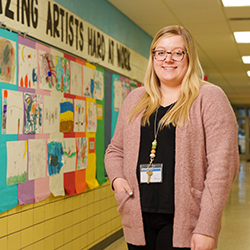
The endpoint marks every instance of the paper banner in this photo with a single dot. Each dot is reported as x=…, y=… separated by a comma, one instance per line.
x=26, y=193
x=69, y=183
x=41, y=189
x=80, y=182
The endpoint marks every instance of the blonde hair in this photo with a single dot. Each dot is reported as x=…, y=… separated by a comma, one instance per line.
x=189, y=87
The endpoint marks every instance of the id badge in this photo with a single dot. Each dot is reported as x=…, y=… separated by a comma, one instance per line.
x=152, y=174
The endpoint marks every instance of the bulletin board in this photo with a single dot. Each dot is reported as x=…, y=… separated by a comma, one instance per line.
x=52, y=121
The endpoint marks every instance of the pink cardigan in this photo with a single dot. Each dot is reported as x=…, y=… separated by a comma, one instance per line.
x=207, y=163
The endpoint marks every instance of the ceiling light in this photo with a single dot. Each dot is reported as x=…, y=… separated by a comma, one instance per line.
x=246, y=59
x=234, y=3
x=242, y=37
x=248, y=73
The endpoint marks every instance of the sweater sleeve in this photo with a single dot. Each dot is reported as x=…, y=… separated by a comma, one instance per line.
x=221, y=142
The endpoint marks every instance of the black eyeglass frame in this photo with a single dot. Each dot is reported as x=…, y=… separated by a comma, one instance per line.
x=169, y=53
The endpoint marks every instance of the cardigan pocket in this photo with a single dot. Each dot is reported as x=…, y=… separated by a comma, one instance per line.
x=195, y=207
x=124, y=207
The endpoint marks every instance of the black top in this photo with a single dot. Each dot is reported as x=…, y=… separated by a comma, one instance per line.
x=158, y=197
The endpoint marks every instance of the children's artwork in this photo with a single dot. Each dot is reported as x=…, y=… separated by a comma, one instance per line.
x=47, y=71
x=66, y=115
x=27, y=67
x=125, y=89
x=33, y=113
x=16, y=162
x=62, y=74
x=55, y=156
x=88, y=81
x=99, y=111
x=98, y=85
x=69, y=154
x=79, y=116
x=92, y=117
x=7, y=61
x=133, y=85
x=51, y=114
x=37, y=159
x=75, y=78
x=118, y=95
x=12, y=117
x=82, y=152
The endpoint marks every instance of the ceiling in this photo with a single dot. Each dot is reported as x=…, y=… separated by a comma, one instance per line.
x=212, y=26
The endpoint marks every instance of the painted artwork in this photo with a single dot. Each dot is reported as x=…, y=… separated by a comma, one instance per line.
x=79, y=115
x=62, y=74
x=37, y=159
x=12, y=117
x=16, y=162
x=33, y=104
x=82, y=152
x=47, y=71
x=75, y=78
x=92, y=117
x=118, y=99
x=88, y=81
x=27, y=67
x=69, y=154
x=55, y=156
x=51, y=114
x=66, y=115
x=98, y=85
x=7, y=61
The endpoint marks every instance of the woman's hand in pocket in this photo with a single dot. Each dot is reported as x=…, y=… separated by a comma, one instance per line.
x=121, y=184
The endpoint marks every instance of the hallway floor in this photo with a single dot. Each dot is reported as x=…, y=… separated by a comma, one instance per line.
x=235, y=234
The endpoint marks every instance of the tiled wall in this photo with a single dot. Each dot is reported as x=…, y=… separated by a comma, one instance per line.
x=63, y=223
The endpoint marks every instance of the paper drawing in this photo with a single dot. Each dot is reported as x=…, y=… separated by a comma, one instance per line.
x=118, y=95
x=75, y=78
x=82, y=152
x=47, y=71
x=51, y=114
x=12, y=117
x=92, y=117
x=55, y=157
x=33, y=113
x=16, y=162
x=62, y=74
x=66, y=115
x=98, y=85
x=99, y=111
x=133, y=85
x=69, y=154
x=7, y=61
x=125, y=89
x=88, y=81
x=79, y=115
x=27, y=67
x=37, y=159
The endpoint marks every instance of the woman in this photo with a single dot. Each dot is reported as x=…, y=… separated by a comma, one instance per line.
x=174, y=154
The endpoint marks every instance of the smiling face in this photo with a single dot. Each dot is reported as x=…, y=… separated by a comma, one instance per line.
x=169, y=72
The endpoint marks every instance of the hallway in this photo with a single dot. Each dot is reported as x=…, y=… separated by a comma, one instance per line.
x=235, y=234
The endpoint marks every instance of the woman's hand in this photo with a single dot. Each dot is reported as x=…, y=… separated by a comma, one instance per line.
x=202, y=242
x=121, y=184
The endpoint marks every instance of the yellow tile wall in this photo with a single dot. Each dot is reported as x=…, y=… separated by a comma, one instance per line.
x=61, y=223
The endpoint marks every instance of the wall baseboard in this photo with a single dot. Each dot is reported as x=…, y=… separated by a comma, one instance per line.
x=105, y=243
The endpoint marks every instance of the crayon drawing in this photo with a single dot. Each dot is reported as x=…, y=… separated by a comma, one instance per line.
x=79, y=116
x=55, y=157
x=88, y=81
x=98, y=85
x=51, y=114
x=66, y=115
x=92, y=117
x=16, y=162
x=75, y=78
x=37, y=159
x=82, y=153
x=27, y=67
x=33, y=113
x=12, y=117
x=69, y=154
x=62, y=74
x=47, y=72
x=7, y=61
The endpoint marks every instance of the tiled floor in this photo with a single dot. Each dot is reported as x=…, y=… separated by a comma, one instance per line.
x=235, y=234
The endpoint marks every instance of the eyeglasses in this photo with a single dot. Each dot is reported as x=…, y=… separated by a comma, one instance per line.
x=161, y=55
